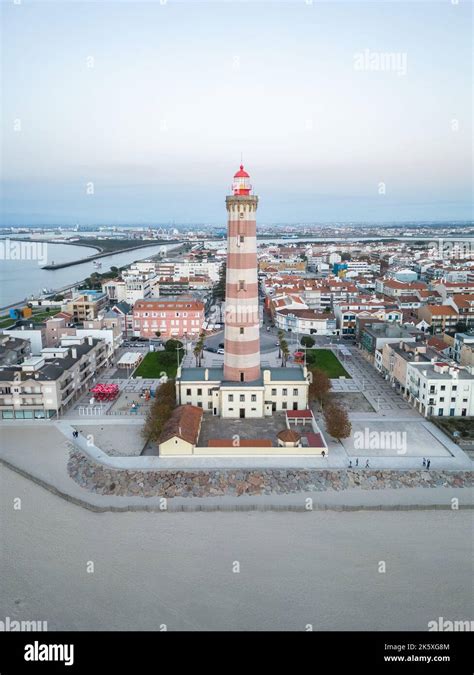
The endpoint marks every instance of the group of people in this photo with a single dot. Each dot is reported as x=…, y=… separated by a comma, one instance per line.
x=367, y=465
x=426, y=463
x=75, y=434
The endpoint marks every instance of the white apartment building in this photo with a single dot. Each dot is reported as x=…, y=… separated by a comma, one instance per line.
x=133, y=285
x=440, y=389
x=43, y=386
x=197, y=268
x=306, y=322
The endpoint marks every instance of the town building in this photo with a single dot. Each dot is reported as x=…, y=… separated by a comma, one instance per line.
x=43, y=386
x=463, y=348
x=13, y=350
x=306, y=322
x=133, y=284
x=35, y=333
x=276, y=389
x=440, y=318
x=440, y=389
x=86, y=305
x=172, y=317
x=374, y=335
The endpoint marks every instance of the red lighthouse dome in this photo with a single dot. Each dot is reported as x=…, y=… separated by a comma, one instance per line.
x=241, y=184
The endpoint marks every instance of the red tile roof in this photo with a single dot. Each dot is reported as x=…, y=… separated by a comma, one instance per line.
x=289, y=436
x=243, y=443
x=184, y=422
x=315, y=440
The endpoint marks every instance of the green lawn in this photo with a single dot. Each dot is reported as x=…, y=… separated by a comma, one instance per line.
x=37, y=317
x=44, y=316
x=5, y=322
x=156, y=363
x=327, y=361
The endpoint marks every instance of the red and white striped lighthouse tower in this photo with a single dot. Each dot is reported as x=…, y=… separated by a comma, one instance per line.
x=242, y=336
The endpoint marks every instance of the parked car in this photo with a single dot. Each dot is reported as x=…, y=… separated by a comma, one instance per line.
x=210, y=349
x=220, y=351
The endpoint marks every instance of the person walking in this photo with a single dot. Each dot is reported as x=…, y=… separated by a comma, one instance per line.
x=428, y=463
x=350, y=464
x=357, y=461
x=367, y=464
x=424, y=461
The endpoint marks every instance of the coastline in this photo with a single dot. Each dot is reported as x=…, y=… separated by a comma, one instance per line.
x=171, y=251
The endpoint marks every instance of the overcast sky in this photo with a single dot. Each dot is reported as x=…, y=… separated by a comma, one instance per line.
x=154, y=103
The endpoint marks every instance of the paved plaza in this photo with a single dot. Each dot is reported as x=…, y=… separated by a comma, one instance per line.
x=375, y=438
x=124, y=440
x=266, y=428
x=380, y=394
x=130, y=392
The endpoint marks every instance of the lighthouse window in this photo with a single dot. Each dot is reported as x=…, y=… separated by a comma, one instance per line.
x=242, y=238
x=241, y=285
x=241, y=330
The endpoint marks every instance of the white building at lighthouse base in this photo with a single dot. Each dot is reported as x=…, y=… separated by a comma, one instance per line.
x=278, y=389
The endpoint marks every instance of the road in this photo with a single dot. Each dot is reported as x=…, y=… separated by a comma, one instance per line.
x=267, y=341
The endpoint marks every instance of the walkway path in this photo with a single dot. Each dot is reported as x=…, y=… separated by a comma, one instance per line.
x=383, y=398
x=41, y=454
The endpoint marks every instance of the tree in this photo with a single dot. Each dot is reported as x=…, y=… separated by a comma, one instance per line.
x=160, y=411
x=337, y=421
x=460, y=327
x=157, y=333
x=285, y=352
x=172, y=345
x=218, y=292
x=198, y=349
x=281, y=337
x=319, y=385
x=307, y=341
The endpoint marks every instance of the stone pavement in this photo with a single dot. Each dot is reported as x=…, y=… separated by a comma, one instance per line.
x=366, y=379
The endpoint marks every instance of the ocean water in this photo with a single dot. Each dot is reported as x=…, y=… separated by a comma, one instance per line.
x=21, y=278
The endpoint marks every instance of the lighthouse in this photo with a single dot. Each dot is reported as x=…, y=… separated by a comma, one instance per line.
x=242, y=336
x=240, y=387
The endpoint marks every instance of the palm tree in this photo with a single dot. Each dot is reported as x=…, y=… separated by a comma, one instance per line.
x=281, y=338
x=285, y=352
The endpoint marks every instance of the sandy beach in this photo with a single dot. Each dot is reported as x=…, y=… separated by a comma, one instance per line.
x=154, y=569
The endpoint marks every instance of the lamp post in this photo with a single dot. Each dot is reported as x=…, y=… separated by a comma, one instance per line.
x=177, y=355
